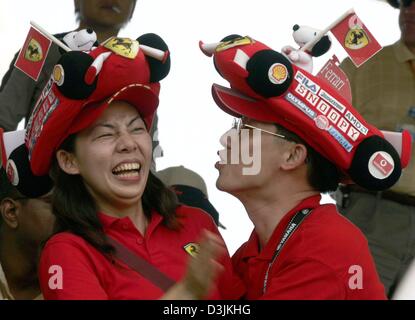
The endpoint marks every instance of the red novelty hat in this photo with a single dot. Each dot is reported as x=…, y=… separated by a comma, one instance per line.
x=84, y=84
x=267, y=87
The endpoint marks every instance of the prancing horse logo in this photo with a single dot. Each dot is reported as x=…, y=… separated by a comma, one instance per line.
x=33, y=51
x=123, y=46
x=192, y=248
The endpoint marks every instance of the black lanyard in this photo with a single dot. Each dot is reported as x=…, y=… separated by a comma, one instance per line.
x=291, y=228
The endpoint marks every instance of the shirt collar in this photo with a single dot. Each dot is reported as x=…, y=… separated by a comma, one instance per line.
x=252, y=247
x=402, y=53
x=109, y=222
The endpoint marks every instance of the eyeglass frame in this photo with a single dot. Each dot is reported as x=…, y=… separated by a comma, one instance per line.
x=238, y=125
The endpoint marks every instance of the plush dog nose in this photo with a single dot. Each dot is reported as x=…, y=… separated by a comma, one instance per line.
x=89, y=30
x=296, y=27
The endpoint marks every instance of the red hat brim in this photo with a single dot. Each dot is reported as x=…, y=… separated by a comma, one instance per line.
x=70, y=118
x=238, y=105
x=143, y=97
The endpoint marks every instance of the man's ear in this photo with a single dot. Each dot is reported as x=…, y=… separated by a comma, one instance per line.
x=294, y=156
x=9, y=210
x=67, y=162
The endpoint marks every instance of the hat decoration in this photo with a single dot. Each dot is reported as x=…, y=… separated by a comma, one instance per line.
x=268, y=87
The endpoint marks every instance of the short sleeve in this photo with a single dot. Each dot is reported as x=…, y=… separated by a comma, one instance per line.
x=66, y=273
x=305, y=279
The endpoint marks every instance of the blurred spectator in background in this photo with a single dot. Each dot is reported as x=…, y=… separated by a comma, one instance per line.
x=24, y=224
x=190, y=189
x=19, y=93
x=383, y=91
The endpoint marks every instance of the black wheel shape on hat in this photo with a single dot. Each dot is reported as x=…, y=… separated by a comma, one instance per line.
x=75, y=65
x=158, y=70
x=28, y=184
x=259, y=66
x=359, y=170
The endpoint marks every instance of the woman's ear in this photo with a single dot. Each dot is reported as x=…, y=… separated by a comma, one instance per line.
x=67, y=162
x=295, y=156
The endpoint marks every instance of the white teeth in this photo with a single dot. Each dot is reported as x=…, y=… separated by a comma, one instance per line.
x=127, y=167
x=129, y=174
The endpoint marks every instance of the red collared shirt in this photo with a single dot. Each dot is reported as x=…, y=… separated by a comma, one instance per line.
x=327, y=257
x=87, y=274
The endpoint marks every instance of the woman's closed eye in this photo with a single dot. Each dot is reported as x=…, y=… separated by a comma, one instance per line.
x=102, y=135
x=139, y=129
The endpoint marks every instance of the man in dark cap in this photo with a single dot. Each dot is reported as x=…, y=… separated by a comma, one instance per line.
x=24, y=223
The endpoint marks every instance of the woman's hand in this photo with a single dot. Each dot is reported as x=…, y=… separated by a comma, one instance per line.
x=202, y=270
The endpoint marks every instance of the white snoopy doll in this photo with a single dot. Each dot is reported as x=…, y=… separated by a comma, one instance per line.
x=82, y=40
x=304, y=58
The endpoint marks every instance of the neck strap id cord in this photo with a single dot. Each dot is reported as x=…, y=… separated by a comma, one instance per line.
x=291, y=228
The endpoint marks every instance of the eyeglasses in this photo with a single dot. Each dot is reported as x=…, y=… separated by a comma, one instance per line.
x=238, y=124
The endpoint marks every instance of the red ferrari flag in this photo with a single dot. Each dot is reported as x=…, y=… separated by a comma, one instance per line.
x=356, y=39
x=33, y=54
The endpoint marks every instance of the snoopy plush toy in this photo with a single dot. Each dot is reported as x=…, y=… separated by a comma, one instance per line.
x=82, y=40
x=304, y=59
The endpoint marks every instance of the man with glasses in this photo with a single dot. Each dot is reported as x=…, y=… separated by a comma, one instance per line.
x=24, y=224
x=383, y=91
x=299, y=249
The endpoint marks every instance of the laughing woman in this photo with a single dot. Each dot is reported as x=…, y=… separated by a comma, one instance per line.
x=98, y=151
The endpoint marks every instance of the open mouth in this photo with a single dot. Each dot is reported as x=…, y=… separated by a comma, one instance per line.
x=127, y=169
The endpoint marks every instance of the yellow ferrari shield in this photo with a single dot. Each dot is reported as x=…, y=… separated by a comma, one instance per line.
x=122, y=46
x=356, y=38
x=33, y=51
x=241, y=41
x=192, y=248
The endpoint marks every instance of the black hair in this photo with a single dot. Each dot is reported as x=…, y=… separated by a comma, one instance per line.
x=322, y=174
x=76, y=211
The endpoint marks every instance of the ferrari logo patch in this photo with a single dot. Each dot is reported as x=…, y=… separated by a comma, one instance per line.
x=192, y=248
x=122, y=46
x=34, y=51
x=241, y=41
x=356, y=38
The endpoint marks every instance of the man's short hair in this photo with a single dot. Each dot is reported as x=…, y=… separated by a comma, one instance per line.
x=322, y=174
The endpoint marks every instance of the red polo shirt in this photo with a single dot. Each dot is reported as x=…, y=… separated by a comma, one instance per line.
x=87, y=274
x=327, y=257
